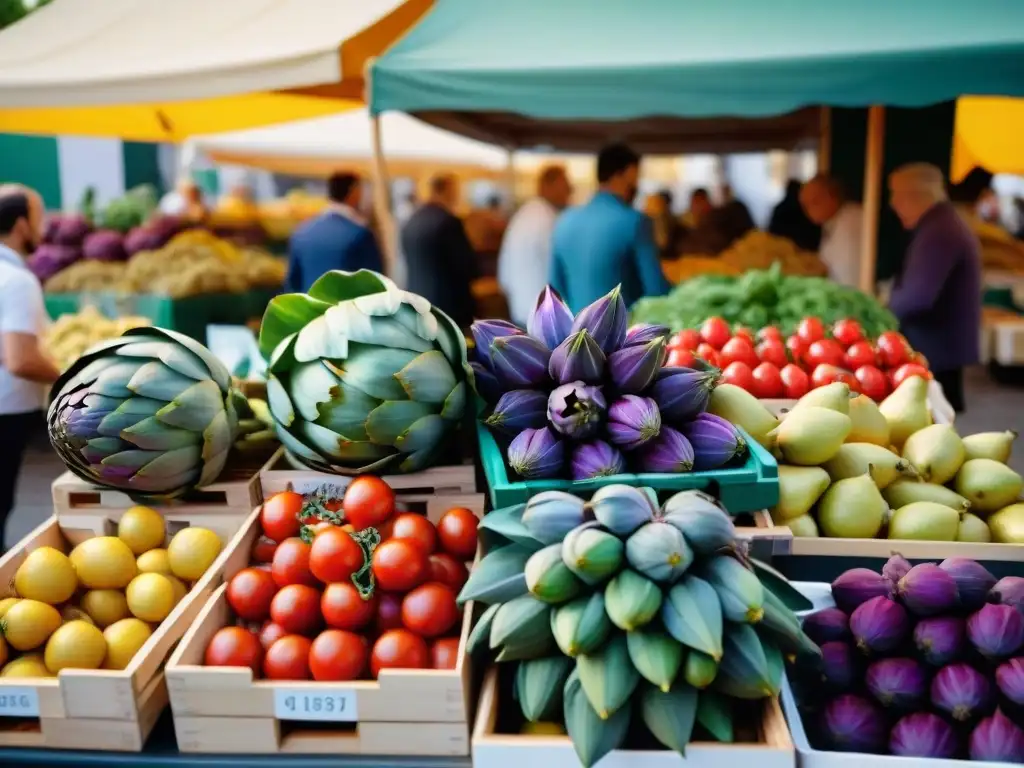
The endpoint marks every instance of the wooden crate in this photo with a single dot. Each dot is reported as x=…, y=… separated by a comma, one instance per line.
x=110, y=709
x=427, y=491
x=405, y=712
x=494, y=750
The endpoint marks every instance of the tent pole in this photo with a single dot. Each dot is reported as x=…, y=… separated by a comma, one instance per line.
x=510, y=178
x=825, y=141
x=381, y=184
x=872, y=197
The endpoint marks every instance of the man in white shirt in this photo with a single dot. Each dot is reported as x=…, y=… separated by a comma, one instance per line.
x=823, y=201
x=525, y=254
x=25, y=371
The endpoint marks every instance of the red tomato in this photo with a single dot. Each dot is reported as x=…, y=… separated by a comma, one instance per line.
x=797, y=348
x=297, y=609
x=742, y=332
x=416, y=528
x=860, y=354
x=399, y=649
x=429, y=610
x=739, y=374
x=338, y=655
x=444, y=653
x=772, y=351
x=826, y=374
x=344, y=608
x=686, y=339
x=767, y=381
x=893, y=350
x=795, y=381
x=920, y=359
x=291, y=563
x=399, y=565
x=368, y=502
x=872, y=382
x=847, y=332
x=738, y=350
x=708, y=354
x=270, y=633
x=769, y=332
x=234, y=647
x=715, y=331
x=849, y=380
x=335, y=556
x=680, y=358
x=447, y=570
x=280, y=515
x=264, y=550
x=288, y=659
x=389, y=611
x=811, y=329
x=457, y=530
x=825, y=351
x=249, y=593
x=904, y=372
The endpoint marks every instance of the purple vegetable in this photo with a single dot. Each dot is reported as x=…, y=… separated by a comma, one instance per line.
x=879, y=625
x=1010, y=679
x=486, y=331
x=715, y=441
x=895, y=568
x=940, y=639
x=72, y=231
x=923, y=734
x=146, y=238
x=596, y=459
x=682, y=393
x=961, y=692
x=578, y=358
x=536, y=453
x=605, y=319
x=633, y=421
x=996, y=631
x=670, y=453
x=998, y=740
x=519, y=409
x=1009, y=590
x=51, y=227
x=927, y=590
x=576, y=410
x=486, y=382
x=634, y=368
x=827, y=625
x=48, y=260
x=973, y=580
x=644, y=332
x=104, y=245
x=857, y=586
x=520, y=361
x=853, y=724
x=839, y=667
x=551, y=320
x=898, y=683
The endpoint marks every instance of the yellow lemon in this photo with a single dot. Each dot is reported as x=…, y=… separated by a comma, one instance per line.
x=46, y=575
x=105, y=606
x=29, y=665
x=142, y=529
x=180, y=590
x=150, y=597
x=76, y=645
x=192, y=551
x=5, y=605
x=29, y=623
x=154, y=561
x=71, y=613
x=103, y=562
x=124, y=639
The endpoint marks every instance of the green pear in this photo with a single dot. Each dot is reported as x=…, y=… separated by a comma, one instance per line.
x=869, y=425
x=926, y=521
x=973, y=528
x=852, y=509
x=936, y=452
x=1007, y=525
x=906, y=409
x=799, y=489
x=988, y=484
x=990, y=445
x=811, y=435
x=834, y=396
x=744, y=410
x=853, y=459
x=907, y=490
x=803, y=527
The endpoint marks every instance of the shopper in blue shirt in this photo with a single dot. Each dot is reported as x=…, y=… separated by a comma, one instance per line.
x=606, y=242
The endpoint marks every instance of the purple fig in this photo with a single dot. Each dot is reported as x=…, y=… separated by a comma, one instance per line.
x=1010, y=679
x=923, y=734
x=879, y=626
x=854, y=724
x=519, y=409
x=998, y=740
x=896, y=568
x=578, y=358
x=996, y=631
x=927, y=590
x=520, y=361
x=682, y=393
x=536, y=453
x=633, y=421
x=576, y=410
x=857, y=586
x=550, y=321
x=596, y=459
x=668, y=453
x=961, y=691
x=644, y=332
x=940, y=639
x=486, y=331
x=827, y=625
x=634, y=368
x=973, y=580
x=839, y=666
x=715, y=441
x=897, y=683
x=1009, y=590
x=486, y=382
x=605, y=319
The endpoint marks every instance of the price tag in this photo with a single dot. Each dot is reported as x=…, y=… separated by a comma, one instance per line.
x=19, y=702
x=330, y=704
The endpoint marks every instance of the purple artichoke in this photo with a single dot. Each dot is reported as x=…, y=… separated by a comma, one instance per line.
x=576, y=410
x=519, y=409
x=644, y=332
x=853, y=724
x=895, y=568
x=486, y=331
x=928, y=590
x=633, y=421
x=536, y=453
x=879, y=626
x=923, y=734
x=940, y=639
x=578, y=358
x=998, y=740
x=973, y=580
x=839, y=666
x=605, y=319
x=897, y=683
x=1010, y=679
x=634, y=368
x=996, y=631
x=551, y=320
x=596, y=459
x=827, y=625
x=486, y=382
x=104, y=245
x=715, y=441
x=857, y=586
x=520, y=361
x=669, y=453
x=682, y=393
x=961, y=691
x=72, y=231
x=1009, y=590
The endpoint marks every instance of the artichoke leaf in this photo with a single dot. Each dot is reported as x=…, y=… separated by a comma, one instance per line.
x=381, y=304
x=151, y=434
x=138, y=406
x=422, y=435
x=297, y=447
x=455, y=403
x=428, y=379
x=319, y=340
x=282, y=359
x=372, y=370
x=98, y=449
x=414, y=462
x=217, y=440
x=351, y=323
x=156, y=463
x=312, y=384
x=419, y=303
x=165, y=485
x=174, y=357
x=386, y=423
x=337, y=286
x=193, y=407
x=423, y=324
x=347, y=411
x=287, y=315
x=114, y=423
x=279, y=403
x=218, y=371
x=159, y=382
x=115, y=379
x=452, y=341
x=379, y=467
x=338, y=447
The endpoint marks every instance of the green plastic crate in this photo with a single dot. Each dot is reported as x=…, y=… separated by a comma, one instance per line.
x=747, y=488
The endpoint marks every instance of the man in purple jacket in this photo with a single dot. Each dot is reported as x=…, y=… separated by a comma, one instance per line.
x=937, y=297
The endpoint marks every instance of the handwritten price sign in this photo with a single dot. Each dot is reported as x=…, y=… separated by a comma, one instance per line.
x=19, y=702
x=333, y=705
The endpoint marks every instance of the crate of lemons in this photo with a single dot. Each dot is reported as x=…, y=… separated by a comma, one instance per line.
x=97, y=606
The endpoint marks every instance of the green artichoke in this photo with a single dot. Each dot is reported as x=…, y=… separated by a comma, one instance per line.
x=150, y=413
x=363, y=377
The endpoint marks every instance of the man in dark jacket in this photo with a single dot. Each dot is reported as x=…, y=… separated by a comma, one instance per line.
x=789, y=220
x=440, y=262
x=339, y=238
x=938, y=295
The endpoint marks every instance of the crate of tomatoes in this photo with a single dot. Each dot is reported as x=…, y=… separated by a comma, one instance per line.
x=341, y=635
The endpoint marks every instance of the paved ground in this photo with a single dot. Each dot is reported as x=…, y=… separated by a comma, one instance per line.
x=990, y=407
